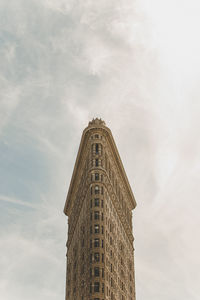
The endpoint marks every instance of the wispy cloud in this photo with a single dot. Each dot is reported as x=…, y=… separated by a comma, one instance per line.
x=136, y=65
x=17, y=201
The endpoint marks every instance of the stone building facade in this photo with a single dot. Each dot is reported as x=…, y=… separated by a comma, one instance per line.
x=99, y=204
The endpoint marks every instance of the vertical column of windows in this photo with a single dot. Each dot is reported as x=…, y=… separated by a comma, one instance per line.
x=96, y=227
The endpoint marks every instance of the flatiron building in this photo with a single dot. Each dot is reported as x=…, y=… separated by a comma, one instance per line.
x=99, y=204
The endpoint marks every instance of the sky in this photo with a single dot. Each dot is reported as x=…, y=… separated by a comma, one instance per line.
x=135, y=64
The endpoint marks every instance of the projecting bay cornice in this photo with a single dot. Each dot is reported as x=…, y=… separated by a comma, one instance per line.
x=96, y=126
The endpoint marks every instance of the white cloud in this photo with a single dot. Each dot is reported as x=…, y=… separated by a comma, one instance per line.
x=136, y=65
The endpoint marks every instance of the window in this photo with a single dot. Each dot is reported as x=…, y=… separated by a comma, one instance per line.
x=82, y=270
x=90, y=257
x=96, y=287
x=102, y=216
x=96, y=215
x=96, y=176
x=102, y=243
x=96, y=271
x=102, y=203
x=90, y=243
x=90, y=287
x=96, y=136
x=97, y=148
x=96, y=242
x=102, y=190
x=96, y=257
x=96, y=189
x=102, y=287
x=96, y=228
x=103, y=273
x=91, y=203
x=102, y=229
x=102, y=258
x=96, y=162
x=96, y=202
x=90, y=229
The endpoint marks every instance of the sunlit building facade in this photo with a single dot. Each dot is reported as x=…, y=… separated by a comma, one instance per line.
x=99, y=204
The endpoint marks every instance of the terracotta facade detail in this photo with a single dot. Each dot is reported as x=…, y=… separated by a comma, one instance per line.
x=99, y=204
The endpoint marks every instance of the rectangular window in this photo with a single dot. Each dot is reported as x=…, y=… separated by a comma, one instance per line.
x=82, y=270
x=102, y=243
x=97, y=148
x=96, y=271
x=96, y=162
x=91, y=203
x=102, y=203
x=102, y=231
x=96, y=228
x=96, y=189
x=96, y=242
x=96, y=215
x=96, y=287
x=96, y=202
x=102, y=258
x=103, y=273
x=96, y=257
x=90, y=243
x=96, y=176
x=102, y=216
x=102, y=190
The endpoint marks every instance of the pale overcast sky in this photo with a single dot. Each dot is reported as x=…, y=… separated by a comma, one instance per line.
x=135, y=64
